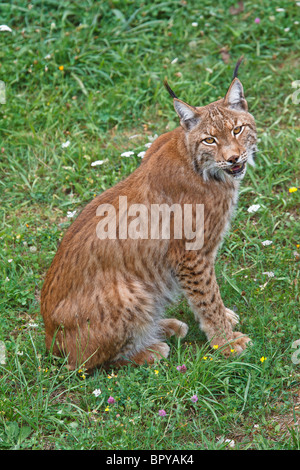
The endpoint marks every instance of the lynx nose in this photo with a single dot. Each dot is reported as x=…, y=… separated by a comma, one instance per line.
x=233, y=159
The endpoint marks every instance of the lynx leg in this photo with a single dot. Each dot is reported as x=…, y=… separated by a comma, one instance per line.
x=172, y=326
x=202, y=292
x=153, y=353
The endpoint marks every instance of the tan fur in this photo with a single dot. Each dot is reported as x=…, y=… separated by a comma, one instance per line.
x=103, y=301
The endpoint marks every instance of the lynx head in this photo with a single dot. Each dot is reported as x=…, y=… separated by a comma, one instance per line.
x=221, y=136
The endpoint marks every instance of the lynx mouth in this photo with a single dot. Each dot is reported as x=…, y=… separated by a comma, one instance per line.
x=236, y=169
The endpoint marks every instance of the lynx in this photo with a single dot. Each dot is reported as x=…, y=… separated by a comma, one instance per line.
x=103, y=299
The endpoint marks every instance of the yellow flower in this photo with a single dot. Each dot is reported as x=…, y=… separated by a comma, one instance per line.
x=293, y=189
x=61, y=67
x=107, y=408
x=232, y=350
x=156, y=371
x=215, y=346
x=263, y=359
x=204, y=358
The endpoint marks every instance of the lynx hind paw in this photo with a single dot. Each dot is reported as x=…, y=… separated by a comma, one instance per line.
x=157, y=351
x=172, y=326
x=232, y=316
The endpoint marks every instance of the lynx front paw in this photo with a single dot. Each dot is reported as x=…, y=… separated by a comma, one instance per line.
x=237, y=344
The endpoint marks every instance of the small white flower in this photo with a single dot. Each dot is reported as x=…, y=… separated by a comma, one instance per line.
x=3, y=27
x=253, y=208
x=174, y=60
x=7, y=279
x=71, y=214
x=286, y=30
x=33, y=325
x=230, y=442
x=267, y=242
x=256, y=426
x=97, y=392
x=151, y=138
x=127, y=154
x=48, y=56
x=280, y=9
x=195, y=24
x=97, y=162
x=32, y=249
x=64, y=145
x=269, y=273
x=141, y=154
x=9, y=260
x=148, y=145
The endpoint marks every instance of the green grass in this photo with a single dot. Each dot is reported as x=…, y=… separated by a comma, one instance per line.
x=115, y=55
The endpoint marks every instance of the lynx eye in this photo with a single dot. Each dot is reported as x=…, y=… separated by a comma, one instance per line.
x=237, y=130
x=209, y=140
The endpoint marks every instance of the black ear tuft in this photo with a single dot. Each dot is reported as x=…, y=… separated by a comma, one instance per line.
x=235, y=73
x=169, y=89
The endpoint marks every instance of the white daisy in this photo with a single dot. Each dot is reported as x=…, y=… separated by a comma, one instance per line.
x=64, y=145
x=71, y=214
x=97, y=392
x=3, y=27
x=97, y=162
x=267, y=242
x=127, y=154
x=253, y=208
x=230, y=442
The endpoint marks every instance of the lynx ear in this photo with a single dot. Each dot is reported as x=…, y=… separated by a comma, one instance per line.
x=189, y=117
x=235, y=98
